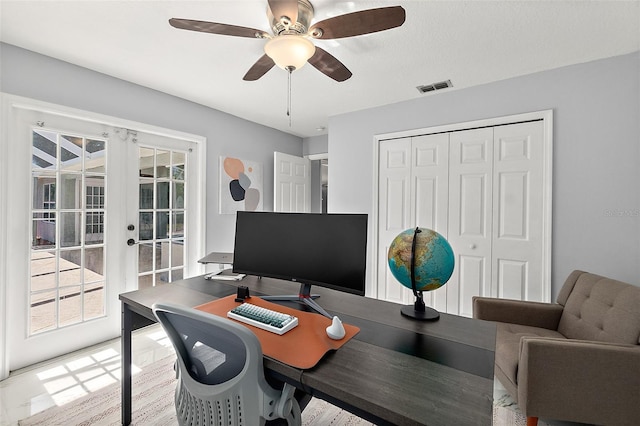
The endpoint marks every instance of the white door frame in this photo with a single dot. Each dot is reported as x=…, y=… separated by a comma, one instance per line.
x=11, y=104
x=545, y=115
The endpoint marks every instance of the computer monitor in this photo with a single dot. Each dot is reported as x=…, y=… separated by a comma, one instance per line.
x=328, y=250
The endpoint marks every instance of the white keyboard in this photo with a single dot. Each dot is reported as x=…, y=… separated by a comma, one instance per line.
x=266, y=319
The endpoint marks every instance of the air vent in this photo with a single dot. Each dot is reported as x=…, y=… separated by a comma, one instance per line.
x=435, y=86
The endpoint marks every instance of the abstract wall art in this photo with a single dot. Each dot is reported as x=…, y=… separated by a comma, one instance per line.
x=240, y=185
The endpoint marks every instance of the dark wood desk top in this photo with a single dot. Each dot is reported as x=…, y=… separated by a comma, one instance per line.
x=399, y=370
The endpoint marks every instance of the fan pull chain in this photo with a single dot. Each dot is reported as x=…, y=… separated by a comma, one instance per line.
x=290, y=69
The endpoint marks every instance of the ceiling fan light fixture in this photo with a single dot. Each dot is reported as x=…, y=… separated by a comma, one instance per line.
x=289, y=51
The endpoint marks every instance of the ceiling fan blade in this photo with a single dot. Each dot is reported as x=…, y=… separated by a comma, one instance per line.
x=260, y=68
x=215, y=28
x=358, y=23
x=288, y=8
x=327, y=64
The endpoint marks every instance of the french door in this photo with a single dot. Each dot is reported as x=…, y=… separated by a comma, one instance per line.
x=156, y=227
x=94, y=210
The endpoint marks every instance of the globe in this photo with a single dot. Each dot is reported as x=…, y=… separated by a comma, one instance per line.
x=434, y=259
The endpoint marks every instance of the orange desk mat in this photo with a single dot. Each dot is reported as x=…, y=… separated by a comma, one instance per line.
x=300, y=347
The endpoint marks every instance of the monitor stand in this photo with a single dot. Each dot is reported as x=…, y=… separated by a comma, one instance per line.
x=304, y=296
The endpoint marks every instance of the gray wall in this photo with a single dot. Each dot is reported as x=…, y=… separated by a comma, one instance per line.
x=35, y=76
x=315, y=145
x=596, y=170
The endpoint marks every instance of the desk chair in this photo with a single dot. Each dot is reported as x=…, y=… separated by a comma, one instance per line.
x=220, y=373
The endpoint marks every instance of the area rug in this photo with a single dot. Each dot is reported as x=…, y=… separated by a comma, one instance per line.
x=152, y=402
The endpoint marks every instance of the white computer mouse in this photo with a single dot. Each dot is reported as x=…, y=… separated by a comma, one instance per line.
x=336, y=330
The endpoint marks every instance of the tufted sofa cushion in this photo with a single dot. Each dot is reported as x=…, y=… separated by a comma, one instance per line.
x=599, y=308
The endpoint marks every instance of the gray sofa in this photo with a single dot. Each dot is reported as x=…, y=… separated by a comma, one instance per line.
x=577, y=359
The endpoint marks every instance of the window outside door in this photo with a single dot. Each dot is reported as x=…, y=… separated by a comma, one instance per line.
x=100, y=210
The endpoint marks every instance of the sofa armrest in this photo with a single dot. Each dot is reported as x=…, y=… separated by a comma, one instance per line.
x=534, y=314
x=580, y=381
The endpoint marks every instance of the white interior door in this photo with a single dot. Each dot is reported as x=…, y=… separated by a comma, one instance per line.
x=292, y=183
x=71, y=205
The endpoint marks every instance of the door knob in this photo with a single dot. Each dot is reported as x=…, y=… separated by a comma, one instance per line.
x=472, y=246
x=131, y=242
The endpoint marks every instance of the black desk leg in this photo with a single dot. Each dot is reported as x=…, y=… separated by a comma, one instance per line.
x=127, y=328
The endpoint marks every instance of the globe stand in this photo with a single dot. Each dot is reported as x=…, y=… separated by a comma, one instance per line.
x=418, y=310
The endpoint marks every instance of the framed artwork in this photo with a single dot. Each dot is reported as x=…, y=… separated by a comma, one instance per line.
x=240, y=185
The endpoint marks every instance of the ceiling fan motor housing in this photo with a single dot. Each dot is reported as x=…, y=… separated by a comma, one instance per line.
x=280, y=24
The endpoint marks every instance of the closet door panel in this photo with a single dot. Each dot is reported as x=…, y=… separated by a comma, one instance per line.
x=518, y=212
x=430, y=192
x=469, y=218
x=394, y=212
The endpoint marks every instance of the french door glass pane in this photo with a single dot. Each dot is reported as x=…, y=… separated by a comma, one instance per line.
x=177, y=229
x=69, y=229
x=162, y=255
x=162, y=228
x=177, y=253
x=147, y=162
x=146, y=226
x=93, y=264
x=70, y=191
x=178, y=195
x=70, y=305
x=67, y=233
x=94, y=300
x=146, y=194
x=145, y=257
x=70, y=267
x=95, y=158
x=176, y=274
x=43, y=230
x=177, y=165
x=163, y=161
x=43, y=311
x=145, y=281
x=163, y=195
x=161, y=216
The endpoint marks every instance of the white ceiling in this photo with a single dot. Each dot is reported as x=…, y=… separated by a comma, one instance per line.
x=468, y=42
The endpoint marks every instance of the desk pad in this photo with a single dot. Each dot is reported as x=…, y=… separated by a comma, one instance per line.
x=302, y=347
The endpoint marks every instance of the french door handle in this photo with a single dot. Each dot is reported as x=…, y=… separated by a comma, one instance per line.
x=131, y=242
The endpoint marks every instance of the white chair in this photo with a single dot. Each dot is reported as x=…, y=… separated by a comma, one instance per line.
x=220, y=373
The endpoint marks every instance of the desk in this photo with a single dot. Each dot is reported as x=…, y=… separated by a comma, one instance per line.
x=395, y=371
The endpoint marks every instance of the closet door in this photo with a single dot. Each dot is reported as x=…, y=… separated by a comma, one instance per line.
x=470, y=220
x=486, y=190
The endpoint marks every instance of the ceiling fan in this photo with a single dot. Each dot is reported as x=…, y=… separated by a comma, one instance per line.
x=290, y=46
